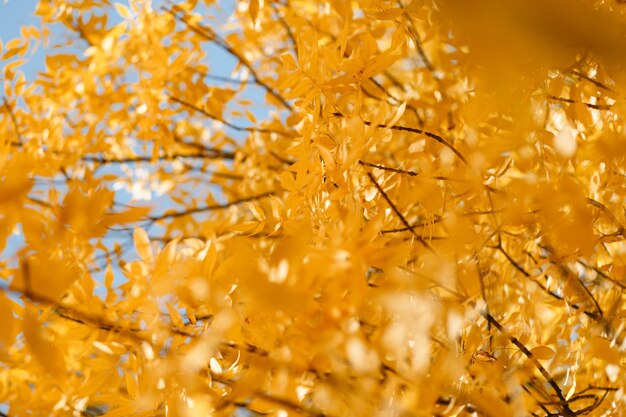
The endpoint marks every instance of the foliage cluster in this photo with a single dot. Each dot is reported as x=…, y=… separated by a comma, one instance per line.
x=427, y=219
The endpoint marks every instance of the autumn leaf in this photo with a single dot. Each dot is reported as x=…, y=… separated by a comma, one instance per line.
x=43, y=347
x=7, y=322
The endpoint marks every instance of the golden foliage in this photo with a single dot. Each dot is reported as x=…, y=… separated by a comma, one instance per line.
x=406, y=208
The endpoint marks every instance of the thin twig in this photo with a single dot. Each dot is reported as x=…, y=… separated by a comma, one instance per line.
x=211, y=207
x=225, y=122
x=385, y=168
x=567, y=411
x=395, y=210
x=418, y=132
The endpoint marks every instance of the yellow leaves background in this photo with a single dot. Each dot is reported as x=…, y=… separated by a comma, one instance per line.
x=355, y=208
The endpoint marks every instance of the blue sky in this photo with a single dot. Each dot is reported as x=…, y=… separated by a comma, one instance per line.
x=13, y=15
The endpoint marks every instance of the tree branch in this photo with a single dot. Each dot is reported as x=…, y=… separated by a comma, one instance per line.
x=210, y=35
x=226, y=123
x=567, y=411
x=211, y=207
x=417, y=131
x=395, y=210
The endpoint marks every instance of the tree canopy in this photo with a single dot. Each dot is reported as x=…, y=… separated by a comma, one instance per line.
x=381, y=208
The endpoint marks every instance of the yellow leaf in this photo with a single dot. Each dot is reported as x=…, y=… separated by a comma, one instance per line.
x=389, y=14
x=289, y=62
x=542, y=352
x=13, y=43
x=177, y=319
x=571, y=391
x=162, y=280
x=253, y=8
x=142, y=244
x=209, y=257
x=262, y=406
x=131, y=215
x=14, y=47
x=601, y=348
x=257, y=211
x=380, y=63
x=7, y=322
x=43, y=346
x=249, y=228
x=8, y=68
x=131, y=386
x=29, y=31
x=398, y=115
x=582, y=113
x=46, y=277
x=123, y=10
x=15, y=186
